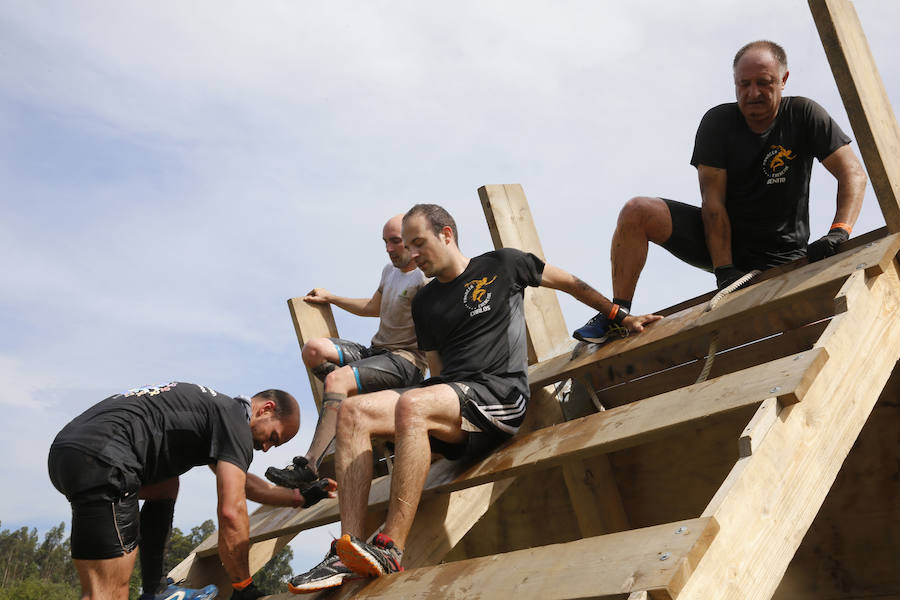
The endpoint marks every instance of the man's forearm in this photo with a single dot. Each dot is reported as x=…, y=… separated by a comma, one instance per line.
x=271, y=495
x=559, y=279
x=717, y=230
x=360, y=307
x=234, y=545
x=850, y=192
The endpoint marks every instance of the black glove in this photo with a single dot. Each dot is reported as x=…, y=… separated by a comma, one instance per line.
x=251, y=592
x=295, y=475
x=726, y=275
x=827, y=245
x=314, y=492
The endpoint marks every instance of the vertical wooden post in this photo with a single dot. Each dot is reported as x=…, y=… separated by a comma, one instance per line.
x=511, y=225
x=865, y=100
x=312, y=321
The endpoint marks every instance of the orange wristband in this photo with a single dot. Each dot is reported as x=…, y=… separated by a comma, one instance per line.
x=242, y=584
x=843, y=226
x=613, y=311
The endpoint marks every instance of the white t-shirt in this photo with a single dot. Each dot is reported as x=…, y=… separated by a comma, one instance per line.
x=396, y=330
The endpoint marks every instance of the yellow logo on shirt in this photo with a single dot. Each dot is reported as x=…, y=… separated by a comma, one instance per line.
x=774, y=163
x=478, y=296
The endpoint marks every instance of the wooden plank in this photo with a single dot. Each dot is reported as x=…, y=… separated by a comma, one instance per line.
x=726, y=361
x=312, y=321
x=865, y=99
x=852, y=548
x=757, y=428
x=511, y=225
x=655, y=559
x=788, y=379
x=819, y=279
x=849, y=245
x=766, y=512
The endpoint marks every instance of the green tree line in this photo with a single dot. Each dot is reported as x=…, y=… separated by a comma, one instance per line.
x=31, y=569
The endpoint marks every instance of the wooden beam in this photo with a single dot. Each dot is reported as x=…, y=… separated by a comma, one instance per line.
x=758, y=427
x=312, y=321
x=654, y=559
x=815, y=282
x=777, y=491
x=727, y=361
x=865, y=99
x=786, y=379
x=593, y=492
x=511, y=225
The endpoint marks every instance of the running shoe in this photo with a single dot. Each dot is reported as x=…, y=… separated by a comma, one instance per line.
x=294, y=475
x=599, y=329
x=329, y=573
x=175, y=592
x=378, y=558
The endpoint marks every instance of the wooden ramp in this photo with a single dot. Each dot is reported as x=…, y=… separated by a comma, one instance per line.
x=776, y=477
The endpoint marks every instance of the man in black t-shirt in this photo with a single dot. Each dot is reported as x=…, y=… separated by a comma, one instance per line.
x=470, y=323
x=754, y=158
x=135, y=445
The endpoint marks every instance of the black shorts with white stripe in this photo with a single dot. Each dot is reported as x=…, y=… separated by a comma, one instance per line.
x=488, y=419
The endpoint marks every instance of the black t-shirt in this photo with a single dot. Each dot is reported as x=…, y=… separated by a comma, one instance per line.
x=162, y=431
x=767, y=195
x=476, y=322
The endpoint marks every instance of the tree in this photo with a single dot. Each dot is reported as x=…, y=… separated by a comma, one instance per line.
x=30, y=570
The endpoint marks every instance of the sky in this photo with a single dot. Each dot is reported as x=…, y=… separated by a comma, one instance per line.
x=172, y=172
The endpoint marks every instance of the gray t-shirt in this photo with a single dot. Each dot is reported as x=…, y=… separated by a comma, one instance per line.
x=396, y=330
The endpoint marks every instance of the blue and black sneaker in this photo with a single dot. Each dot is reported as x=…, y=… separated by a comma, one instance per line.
x=175, y=592
x=599, y=329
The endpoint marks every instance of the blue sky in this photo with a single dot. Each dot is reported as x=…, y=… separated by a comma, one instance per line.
x=171, y=173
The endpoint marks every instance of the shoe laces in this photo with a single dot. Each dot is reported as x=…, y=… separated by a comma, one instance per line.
x=597, y=319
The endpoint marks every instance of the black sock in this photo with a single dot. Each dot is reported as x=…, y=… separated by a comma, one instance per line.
x=626, y=304
x=156, y=523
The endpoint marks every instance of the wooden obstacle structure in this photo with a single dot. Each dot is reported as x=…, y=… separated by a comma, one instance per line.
x=777, y=477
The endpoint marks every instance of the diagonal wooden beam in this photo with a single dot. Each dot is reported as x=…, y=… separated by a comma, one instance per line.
x=655, y=559
x=865, y=100
x=312, y=321
x=769, y=501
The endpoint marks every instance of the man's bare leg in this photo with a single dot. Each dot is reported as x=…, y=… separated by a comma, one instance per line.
x=359, y=418
x=641, y=220
x=105, y=579
x=321, y=356
x=419, y=412
x=339, y=384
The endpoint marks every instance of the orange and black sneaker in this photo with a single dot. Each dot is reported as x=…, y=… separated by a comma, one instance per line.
x=379, y=557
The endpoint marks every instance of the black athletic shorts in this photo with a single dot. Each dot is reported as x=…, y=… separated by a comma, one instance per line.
x=482, y=437
x=104, y=499
x=688, y=239
x=376, y=368
x=688, y=243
